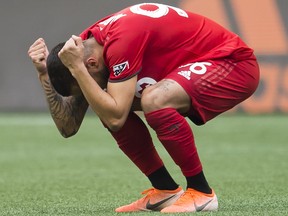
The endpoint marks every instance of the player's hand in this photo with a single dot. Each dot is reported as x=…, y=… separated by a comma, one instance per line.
x=38, y=52
x=72, y=54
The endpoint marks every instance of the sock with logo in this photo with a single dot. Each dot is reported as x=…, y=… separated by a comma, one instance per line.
x=135, y=141
x=177, y=137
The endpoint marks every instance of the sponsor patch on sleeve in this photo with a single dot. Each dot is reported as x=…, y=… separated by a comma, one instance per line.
x=119, y=68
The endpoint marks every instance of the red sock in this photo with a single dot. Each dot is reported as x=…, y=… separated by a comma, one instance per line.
x=176, y=136
x=135, y=141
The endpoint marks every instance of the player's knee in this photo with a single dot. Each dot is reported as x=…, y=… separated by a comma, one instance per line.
x=152, y=100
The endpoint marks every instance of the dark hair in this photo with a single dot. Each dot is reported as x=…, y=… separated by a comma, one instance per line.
x=60, y=76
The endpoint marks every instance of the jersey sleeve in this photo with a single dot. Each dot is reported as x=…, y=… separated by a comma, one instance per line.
x=124, y=54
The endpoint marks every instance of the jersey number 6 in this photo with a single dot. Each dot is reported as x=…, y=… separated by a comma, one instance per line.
x=160, y=12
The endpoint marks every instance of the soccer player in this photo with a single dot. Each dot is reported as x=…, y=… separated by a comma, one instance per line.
x=169, y=63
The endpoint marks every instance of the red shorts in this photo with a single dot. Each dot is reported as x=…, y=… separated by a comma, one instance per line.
x=216, y=86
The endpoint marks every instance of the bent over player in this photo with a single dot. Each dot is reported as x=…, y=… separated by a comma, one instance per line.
x=169, y=63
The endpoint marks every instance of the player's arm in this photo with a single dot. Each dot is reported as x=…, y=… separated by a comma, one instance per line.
x=112, y=106
x=67, y=112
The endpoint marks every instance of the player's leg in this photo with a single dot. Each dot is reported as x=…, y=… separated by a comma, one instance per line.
x=163, y=104
x=135, y=141
x=214, y=87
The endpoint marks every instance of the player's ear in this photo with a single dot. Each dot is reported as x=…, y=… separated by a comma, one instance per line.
x=92, y=63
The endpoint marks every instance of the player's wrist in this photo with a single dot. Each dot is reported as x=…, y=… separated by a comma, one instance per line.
x=43, y=75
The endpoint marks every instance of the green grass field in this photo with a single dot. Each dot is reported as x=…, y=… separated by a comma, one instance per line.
x=245, y=159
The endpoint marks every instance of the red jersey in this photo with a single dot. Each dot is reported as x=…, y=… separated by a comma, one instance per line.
x=152, y=40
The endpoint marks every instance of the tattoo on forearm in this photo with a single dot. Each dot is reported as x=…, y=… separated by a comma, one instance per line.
x=67, y=112
x=55, y=101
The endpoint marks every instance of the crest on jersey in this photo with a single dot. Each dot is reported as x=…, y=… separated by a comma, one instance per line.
x=119, y=68
x=142, y=84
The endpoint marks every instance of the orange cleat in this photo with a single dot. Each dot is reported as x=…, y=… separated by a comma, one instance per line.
x=155, y=200
x=193, y=201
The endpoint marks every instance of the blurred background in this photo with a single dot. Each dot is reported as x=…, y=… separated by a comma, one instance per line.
x=263, y=24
